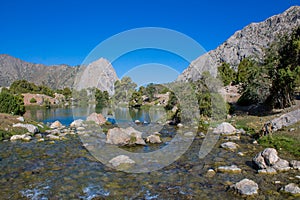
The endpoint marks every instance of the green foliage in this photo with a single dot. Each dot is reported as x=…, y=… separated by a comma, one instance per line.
x=123, y=90
x=279, y=142
x=102, y=98
x=32, y=100
x=66, y=92
x=284, y=68
x=12, y=104
x=226, y=74
x=136, y=99
x=245, y=69
x=81, y=97
x=23, y=86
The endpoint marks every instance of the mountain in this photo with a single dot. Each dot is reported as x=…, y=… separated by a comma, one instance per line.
x=56, y=76
x=248, y=42
x=99, y=74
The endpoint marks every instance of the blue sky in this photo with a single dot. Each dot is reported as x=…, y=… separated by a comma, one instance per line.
x=64, y=32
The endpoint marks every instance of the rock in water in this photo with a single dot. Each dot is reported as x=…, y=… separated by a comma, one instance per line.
x=127, y=136
x=56, y=124
x=246, y=187
x=31, y=128
x=295, y=164
x=282, y=165
x=229, y=169
x=97, y=118
x=153, y=139
x=77, y=123
x=121, y=159
x=230, y=146
x=270, y=155
x=225, y=129
x=291, y=188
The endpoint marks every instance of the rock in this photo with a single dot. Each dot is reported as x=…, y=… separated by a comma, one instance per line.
x=259, y=161
x=291, y=188
x=27, y=138
x=241, y=154
x=225, y=129
x=180, y=125
x=270, y=155
x=254, y=142
x=189, y=134
x=295, y=164
x=292, y=129
x=230, y=146
x=153, y=139
x=56, y=124
x=233, y=137
x=77, y=123
x=41, y=126
x=137, y=121
x=298, y=177
x=241, y=131
x=268, y=170
x=201, y=135
x=38, y=135
x=21, y=119
x=229, y=169
x=97, y=118
x=246, y=187
x=52, y=137
x=210, y=173
x=31, y=128
x=122, y=159
x=17, y=137
x=121, y=136
x=282, y=165
x=41, y=140
x=80, y=128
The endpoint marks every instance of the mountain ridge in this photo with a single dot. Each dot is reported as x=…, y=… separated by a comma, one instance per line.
x=251, y=41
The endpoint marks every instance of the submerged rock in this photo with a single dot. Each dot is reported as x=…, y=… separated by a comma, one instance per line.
x=121, y=159
x=230, y=146
x=229, y=169
x=30, y=128
x=97, y=118
x=127, y=136
x=246, y=187
x=291, y=188
x=225, y=129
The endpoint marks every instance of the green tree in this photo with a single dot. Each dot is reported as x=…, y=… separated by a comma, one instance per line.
x=32, y=100
x=136, y=99
x=123, y=90
x=12, y=104
x=226, y=74
x=102, y=98
x=245, y=68
x=284, y=68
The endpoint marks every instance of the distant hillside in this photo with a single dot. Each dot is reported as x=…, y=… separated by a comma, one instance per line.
x=57, y=76
x=250, y=41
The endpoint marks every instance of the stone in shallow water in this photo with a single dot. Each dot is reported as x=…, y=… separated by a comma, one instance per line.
x=270, y=155
x=124, y=136
x=121, y=159
x=291, y=188
x=77, y=123
x=225, y=129
x=246, y=187
x=56, y=124
x=153, y=139
x=268, y=170
x=229, y=169
x=295, y=164
x=30, y=128
x=282, y=165
x=230, y=146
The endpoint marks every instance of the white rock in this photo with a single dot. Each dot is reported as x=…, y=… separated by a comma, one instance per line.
x=153, y=139
x=270, y=155
x=295, y=164
x=127, y=136
x=229, y=169
x=52, y=137
x=230, y=146
x=31, y=128
x=77, y=123
x=291, y=188
x=282, y=165
x=246, y=187
x=180, y=125
x=56, y=124
x=80, y=128
x=17, y=137
x=189, y=134
x=21, y=119
x=268, y=170
x=121, y=159
x=225, y=129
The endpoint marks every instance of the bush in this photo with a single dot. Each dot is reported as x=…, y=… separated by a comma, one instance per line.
x=226, y=74
x=32, y=100
x=11, y=104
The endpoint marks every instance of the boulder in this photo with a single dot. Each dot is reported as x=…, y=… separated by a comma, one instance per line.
x=56, y=124
x=270, y=155
x=153, y=139
x=121, y=159
x=23, y=137
x=97, y=118
x=246, y=187
x=259, y=161
x=282, y=165
x=291, y=188
x=30, y=128
x=230, y=146
x=127, y=136
x=229, y=169
x=53, y=137
x=295, y=164
x=225, y=129
x=268, y=170
x=21, y=119
x=77, y=123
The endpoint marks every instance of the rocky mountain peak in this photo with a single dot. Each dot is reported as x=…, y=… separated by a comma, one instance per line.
x=248, y=42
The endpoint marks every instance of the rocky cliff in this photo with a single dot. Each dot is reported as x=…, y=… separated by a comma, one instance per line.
x=248, y=42
x=58, y=76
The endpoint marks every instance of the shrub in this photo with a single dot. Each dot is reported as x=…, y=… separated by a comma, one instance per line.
x=11, y=104
x=32, y=100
